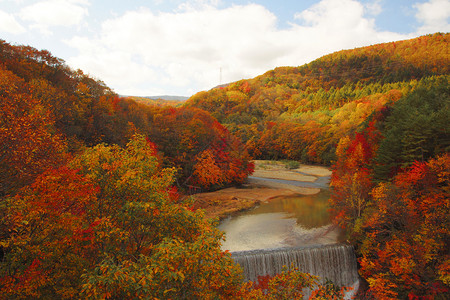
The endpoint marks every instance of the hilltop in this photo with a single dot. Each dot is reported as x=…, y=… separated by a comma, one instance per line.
x=380, y=116
x=69, y=111
x=163, y=100
x=324, y=100
x=88, y=179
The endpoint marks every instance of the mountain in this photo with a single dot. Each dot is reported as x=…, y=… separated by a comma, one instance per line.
x=380, y=116
x=168, y=98
x=47, y=109
x=85, y=175
x=160, y=100
x=324, y=100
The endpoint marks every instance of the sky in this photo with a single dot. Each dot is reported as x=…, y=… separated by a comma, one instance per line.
x=181, y=47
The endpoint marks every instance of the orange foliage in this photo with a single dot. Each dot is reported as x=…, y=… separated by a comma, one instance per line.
x=405, y=253
x=47, y=245
x=351, y=178
x=324, y=100
x=28, y=141
x=206, y=171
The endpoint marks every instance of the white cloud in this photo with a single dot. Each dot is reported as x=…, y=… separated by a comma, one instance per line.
x=182, y=52
x=374, y=8
x=45, y=14
x=9, y=24
x=198, y=4
x=332, y=25
x=331, y=13
x=434, y=15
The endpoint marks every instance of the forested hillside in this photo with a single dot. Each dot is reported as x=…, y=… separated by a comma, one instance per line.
x=380, y=116
x=68, y=110
x=89, y=181
x=88, y=189
x=156, y=101
x=89, y=200
x=391, y=191
x=325, y=100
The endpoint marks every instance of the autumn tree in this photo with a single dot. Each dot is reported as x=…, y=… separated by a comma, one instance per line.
x=189, y=138
x=49, y=239
x=154, y=246
x=109, y=226
x=206, y=170
x=291, y=284
x=75, y=100
x=406, y=234
x=352, y=179
x=326, y=99
x=29, y=141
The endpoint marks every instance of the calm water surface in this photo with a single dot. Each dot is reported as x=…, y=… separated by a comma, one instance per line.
x=280, y=223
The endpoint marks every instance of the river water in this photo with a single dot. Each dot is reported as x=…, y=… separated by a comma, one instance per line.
x=283, y=222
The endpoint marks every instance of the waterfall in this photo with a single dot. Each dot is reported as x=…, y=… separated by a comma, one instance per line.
x=336, y=262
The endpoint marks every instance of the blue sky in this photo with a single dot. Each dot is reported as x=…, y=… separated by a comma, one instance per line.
x=178, y=47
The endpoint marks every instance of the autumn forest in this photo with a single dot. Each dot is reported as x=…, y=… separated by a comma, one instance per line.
x=94, y=187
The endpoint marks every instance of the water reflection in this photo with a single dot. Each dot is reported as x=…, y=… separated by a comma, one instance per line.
x=282, y=222
x=311, y=211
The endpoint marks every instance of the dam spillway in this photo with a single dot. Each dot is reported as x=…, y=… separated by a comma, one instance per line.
x=335, y=262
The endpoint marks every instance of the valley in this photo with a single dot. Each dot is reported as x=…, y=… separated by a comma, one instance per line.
x=260, y=188
x=95, y=189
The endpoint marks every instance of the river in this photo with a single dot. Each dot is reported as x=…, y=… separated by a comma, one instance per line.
x=283, y=222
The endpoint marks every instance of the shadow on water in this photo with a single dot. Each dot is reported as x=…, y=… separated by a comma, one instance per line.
x=292, y=230
x=283, y=222
x=310, y=211
x=321, y=182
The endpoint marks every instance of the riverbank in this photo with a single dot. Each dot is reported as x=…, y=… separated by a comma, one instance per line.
x=261, y=188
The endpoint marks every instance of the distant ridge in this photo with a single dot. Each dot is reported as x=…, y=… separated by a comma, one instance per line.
x=163, y=100
x=168, y=98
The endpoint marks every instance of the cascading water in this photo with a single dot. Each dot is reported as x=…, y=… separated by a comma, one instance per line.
x=336, y=262
x=293, y=232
